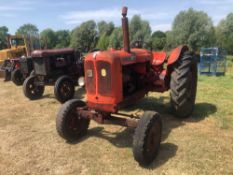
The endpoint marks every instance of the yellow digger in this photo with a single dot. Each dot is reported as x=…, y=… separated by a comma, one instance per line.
x=18, y=46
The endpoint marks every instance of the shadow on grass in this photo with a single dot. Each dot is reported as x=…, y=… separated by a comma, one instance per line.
x=150, y=103
x=167, y=151
x=124, y=138
x=79, y=94
x=121, y=139
x=202, y=110
x=49, y=96
x=161, y=105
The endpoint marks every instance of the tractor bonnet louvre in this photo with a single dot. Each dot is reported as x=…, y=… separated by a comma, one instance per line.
x=90, y=77
x=41, y=66
x=104, y=77
x=26, y=65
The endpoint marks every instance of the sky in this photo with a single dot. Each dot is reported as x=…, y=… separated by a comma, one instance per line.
x=68, y=14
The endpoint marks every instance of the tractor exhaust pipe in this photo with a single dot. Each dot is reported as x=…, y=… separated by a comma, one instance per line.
x=125, y=28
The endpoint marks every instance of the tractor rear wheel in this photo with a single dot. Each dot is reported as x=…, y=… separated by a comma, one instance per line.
x=183, y=86
x=64, y=89
x=147, y=138
x=69, y=124
x=17, y=77
x=31, y=90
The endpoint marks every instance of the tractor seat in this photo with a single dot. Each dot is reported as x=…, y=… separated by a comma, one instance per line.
x=158, y=58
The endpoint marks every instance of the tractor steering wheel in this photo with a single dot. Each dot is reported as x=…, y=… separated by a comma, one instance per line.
x=95, y=50
x=141, y=44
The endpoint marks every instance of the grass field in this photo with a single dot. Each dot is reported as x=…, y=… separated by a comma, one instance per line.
x=230, y=63
x=201, y=144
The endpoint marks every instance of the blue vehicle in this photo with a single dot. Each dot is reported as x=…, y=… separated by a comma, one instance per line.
x=212, y=61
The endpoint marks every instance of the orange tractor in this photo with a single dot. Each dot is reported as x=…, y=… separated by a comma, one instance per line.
x=116, y=78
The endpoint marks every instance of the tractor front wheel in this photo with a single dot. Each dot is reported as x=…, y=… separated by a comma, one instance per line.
x=32, y=73
x=69, y=124
x=31, y=90
x=64, y=89
x=183, y=86
x=17, y=77
x=147, y=138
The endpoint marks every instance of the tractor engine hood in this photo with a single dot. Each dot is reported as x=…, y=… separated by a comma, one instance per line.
x=125, y=58
x=103, y=75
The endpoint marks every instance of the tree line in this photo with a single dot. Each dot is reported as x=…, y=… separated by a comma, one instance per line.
x=191, y=27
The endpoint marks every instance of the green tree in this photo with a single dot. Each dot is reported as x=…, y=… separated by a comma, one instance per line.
x=139, y=29
x=48, y=39
x=3, y=37
x=170, y=40
x=28, y=29
x=194, y=28
x=224, y=33
x=158, y=40
x=62, y=38
x=84, y=37
x=103, y=42
x=105, y=28
x=116, y=38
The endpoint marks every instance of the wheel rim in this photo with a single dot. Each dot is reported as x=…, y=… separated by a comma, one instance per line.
x=66, y=89
x=153, y=140
x=74, y=123
x=33, y=89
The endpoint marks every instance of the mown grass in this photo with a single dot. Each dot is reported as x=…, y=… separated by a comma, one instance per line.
x=214, y=98
x=230, y=58
x=201, y=144
x=219, y=92
x=230, y=63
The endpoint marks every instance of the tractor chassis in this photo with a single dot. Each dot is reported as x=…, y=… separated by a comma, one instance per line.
x=121, y=119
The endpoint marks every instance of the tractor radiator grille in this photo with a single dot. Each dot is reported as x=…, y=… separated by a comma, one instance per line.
x=104, y=78
x=90, y=77
x=26, y=65
x=41, y=66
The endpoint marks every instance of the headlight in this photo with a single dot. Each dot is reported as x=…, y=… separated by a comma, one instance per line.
x=89, y=73
x=81, y=81
x=103, y=72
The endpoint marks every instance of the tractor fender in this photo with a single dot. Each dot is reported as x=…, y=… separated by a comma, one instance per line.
x=158, y=58
x=175, y=54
